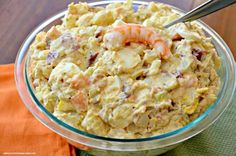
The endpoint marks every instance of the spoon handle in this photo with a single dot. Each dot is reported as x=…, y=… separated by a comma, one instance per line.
x=203, y=10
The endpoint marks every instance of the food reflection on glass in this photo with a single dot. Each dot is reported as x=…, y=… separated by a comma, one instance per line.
x=116, y=72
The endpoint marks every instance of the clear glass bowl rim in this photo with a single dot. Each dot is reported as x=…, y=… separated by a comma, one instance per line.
x=169, y=135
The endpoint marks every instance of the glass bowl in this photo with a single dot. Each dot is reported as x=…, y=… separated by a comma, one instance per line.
x=98, y=145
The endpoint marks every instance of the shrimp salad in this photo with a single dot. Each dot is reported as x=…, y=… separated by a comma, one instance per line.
x=116, y=72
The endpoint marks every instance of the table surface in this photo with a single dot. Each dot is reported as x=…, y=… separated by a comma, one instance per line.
x=18, y=18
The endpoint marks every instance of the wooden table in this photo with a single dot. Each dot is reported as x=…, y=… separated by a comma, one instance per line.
x=19, y=17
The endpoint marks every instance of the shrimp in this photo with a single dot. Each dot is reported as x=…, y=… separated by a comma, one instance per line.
x=123, y=34
x=80, y=100
x=79, y=82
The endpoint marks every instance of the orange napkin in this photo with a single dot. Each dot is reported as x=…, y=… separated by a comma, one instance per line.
x=20, y=132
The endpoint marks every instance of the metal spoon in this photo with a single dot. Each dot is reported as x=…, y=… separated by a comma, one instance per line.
x=203, y=10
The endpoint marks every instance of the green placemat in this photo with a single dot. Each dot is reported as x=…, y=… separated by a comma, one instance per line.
x=218, y=140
